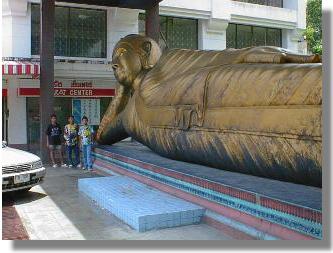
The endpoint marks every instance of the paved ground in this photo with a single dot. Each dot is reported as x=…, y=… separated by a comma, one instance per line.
x=56, y=210
x=12, y=227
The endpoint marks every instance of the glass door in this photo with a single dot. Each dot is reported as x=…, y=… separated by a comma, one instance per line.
x=33, y=121
x=62, y=108
x=5, y=114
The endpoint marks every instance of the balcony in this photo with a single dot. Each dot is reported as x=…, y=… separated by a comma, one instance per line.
x=273, y=3
x=244, y=12
x=265, y=13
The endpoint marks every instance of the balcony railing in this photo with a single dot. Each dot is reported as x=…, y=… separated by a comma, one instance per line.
x=274, y=3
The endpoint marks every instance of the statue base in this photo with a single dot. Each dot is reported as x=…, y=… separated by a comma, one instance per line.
x=246, y=206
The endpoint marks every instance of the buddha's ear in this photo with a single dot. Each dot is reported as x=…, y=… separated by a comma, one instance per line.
x=146, y=46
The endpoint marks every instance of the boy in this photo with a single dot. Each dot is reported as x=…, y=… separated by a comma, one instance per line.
x=86, y=133
x=71, y=135
x=53, y=142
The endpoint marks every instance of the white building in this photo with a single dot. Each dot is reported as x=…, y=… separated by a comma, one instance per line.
x=85, y=36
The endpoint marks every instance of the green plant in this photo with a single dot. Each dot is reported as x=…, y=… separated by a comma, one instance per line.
x=313, y=31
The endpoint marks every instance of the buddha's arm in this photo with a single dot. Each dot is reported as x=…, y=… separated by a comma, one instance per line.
x=111, y=129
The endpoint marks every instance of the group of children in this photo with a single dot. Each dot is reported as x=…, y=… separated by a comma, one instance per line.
x=76, y=137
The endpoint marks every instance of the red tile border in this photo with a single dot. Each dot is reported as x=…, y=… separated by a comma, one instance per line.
x=290, y=209
x=248, y=196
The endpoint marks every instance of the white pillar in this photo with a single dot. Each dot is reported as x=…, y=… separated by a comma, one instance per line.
x=300, y=7
x=121, y=22
x=17, y=120
x=212, y=34
x=292, y=39
x=16, y=28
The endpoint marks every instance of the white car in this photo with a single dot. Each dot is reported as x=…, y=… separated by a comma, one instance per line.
x=21, y=170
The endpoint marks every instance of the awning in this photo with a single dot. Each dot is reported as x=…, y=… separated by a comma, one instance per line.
x=20, y=68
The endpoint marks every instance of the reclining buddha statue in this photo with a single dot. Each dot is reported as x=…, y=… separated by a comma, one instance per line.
x=254, y=110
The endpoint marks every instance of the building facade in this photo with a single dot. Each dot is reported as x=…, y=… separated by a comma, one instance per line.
x=85, y=36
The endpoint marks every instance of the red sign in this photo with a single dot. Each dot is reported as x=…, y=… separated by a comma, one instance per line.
x=4, y=92
x=74, y=84
x=69, y=92
x=81, y=84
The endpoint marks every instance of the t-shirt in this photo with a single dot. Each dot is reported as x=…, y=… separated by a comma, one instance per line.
x=70, y=134
x=54, y=132
x=86, y=132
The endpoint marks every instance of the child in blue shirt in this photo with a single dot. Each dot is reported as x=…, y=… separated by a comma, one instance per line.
x=86, y=134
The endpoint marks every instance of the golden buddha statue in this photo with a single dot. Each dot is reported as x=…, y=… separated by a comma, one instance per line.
x=253, y=110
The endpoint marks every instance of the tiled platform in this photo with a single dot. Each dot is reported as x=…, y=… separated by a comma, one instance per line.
x=138, y=205
x=307, y=196
x=279, y=209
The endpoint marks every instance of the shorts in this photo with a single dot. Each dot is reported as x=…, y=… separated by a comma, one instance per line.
x=55, y=147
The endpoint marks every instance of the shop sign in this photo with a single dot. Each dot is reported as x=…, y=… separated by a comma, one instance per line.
x=72, y=92
x=71, y=88
x=78, y=88
x=69, y=92
x=73, y=83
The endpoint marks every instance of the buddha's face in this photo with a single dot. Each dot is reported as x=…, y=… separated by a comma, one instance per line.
x=126, y=65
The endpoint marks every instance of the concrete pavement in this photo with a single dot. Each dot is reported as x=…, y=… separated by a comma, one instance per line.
x=56, y=210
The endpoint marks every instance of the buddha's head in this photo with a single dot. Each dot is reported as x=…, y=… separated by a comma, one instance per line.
x=132, y=55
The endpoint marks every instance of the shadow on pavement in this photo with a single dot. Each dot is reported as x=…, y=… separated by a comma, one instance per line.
x=22, y=197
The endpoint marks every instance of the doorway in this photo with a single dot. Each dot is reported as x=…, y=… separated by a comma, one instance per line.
x=5, y=115
x=62, y=108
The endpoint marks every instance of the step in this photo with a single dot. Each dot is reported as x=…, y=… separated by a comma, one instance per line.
x=140, y=206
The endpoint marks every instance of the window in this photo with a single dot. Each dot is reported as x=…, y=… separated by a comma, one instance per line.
x=259, y=36
x=274, y=3
x=240, y=36
x=231, y=36
x=273, y=37
x=244, y=36
x=78, y=32
x=178, y=32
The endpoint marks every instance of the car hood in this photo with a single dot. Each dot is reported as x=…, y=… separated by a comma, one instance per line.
x=12, y=156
